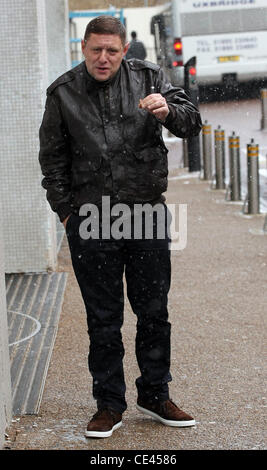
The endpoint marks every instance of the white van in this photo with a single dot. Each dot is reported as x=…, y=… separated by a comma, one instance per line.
x=227, y=37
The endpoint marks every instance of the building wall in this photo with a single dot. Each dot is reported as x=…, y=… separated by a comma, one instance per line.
x=5, y=382
x=57, y=34
x=29, y=63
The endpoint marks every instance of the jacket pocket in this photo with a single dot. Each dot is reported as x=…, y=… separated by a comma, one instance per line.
x=153, y=160
x=147, y=173
x=86, y=170
x=151, y=153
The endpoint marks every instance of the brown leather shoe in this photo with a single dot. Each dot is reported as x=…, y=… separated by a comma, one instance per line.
x=166, y=412
x=103, y=423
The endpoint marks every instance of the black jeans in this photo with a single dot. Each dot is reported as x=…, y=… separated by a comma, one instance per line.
x=99, y=266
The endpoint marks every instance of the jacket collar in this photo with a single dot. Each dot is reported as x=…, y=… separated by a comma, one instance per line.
x=93, y=84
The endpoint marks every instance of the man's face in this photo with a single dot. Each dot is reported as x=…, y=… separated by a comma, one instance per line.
x=103, y=54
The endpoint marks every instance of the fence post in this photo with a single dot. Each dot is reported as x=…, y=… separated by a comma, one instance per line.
x=219, y=158
x=207, y=152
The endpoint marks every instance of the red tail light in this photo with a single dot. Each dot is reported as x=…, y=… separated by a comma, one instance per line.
x=177, y=63
x=192, y=71
x=178, y=46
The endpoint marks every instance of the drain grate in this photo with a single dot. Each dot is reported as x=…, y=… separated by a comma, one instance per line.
x=33, y=309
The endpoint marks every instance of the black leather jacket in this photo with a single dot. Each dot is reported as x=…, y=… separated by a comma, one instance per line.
x=95, y=141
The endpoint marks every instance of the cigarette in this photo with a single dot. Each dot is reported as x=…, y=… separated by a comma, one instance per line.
x=140, y=104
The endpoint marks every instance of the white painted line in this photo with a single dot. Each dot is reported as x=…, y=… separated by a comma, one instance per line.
x=184, y=177
x=38, y=327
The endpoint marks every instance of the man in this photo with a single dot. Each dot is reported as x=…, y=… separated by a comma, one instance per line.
x=136, y=48
x=101, y=138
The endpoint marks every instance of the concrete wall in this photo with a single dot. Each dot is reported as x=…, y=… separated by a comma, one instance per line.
x=34, y=45
x=5, y=382
x=57, y=33
x=35, y=49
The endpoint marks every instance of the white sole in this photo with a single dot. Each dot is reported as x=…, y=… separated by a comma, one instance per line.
x=103, y=433
x=167, y=422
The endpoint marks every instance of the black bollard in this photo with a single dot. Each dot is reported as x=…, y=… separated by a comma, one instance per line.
x=191, y=88
x=264, y=109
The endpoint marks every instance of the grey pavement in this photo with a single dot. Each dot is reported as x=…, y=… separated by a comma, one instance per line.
x=217, y=307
